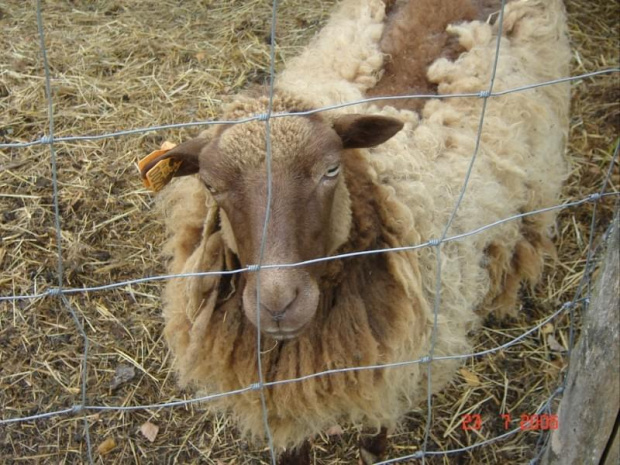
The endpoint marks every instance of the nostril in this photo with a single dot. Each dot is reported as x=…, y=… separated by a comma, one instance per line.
x=276, y=308
x=275, y=315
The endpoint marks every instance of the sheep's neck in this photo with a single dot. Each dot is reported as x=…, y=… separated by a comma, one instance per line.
x=366, y=227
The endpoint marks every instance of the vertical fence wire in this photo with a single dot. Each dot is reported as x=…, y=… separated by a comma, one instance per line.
x=588, y=268
x=585, y=281
x=61, y=299
x=437, y=301
x=263, y=242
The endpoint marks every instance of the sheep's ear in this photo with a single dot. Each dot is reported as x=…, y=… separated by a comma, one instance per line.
x=162, y=165
x=186, y=154
x=363, y=131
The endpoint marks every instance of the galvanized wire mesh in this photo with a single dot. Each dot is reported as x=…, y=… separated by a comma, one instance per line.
x=581, y=297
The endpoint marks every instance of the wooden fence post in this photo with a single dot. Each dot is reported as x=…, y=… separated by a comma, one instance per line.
x=588, y=412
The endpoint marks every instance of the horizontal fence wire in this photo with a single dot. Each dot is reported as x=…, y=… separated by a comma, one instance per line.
x=254, y=387
x=43, y=140
x=253, y=268
x=581, y=297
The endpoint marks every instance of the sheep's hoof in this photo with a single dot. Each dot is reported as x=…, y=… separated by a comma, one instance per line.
x=373, y=448
x=298, y=456
x=367, y=458
x=389, y=5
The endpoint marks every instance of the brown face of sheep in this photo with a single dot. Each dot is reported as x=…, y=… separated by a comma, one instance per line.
x=310, y=207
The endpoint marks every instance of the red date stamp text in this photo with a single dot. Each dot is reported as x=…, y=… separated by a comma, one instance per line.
x=534, y=422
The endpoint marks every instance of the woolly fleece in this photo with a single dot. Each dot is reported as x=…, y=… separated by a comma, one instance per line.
x=412, y=182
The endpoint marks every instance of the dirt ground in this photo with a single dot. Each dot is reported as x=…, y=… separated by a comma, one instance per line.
x=121, y=65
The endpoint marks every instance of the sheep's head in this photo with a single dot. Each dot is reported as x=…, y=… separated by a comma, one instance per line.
x=310, y=208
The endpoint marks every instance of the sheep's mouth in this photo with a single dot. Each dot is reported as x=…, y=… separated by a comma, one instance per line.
x=288, y=302
x=282, y=335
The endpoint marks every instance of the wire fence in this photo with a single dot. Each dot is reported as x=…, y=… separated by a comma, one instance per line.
x=60, y=292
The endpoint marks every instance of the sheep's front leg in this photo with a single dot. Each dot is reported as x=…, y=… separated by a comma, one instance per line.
x=298, y=456
x=373, y=448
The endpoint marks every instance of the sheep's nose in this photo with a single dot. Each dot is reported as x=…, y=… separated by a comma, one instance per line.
x=277, y=303
x=288, y=301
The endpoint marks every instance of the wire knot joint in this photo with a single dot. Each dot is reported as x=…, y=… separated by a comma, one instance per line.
x=77, y=408
x=253, y=267
x=263, y=116
x=566, y=305
x=54, y=291
x=46, y=140
x=484, y=94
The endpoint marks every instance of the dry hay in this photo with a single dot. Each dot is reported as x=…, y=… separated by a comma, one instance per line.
x=118, y=67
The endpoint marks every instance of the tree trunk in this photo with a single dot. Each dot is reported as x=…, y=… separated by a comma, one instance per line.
x=588, y=412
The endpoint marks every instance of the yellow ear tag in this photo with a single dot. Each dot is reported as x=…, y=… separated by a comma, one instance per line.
x=159, y=175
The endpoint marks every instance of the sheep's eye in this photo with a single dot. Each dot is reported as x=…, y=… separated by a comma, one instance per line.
x=332, y=171
x=210, y=188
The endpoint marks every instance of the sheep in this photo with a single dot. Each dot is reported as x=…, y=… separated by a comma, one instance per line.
x=359, y=178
